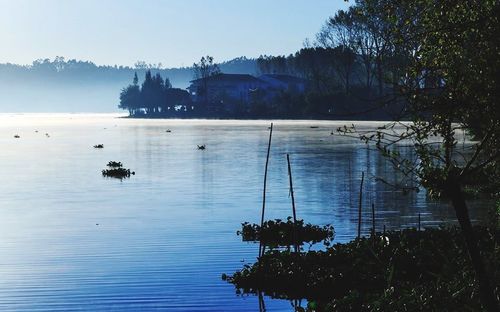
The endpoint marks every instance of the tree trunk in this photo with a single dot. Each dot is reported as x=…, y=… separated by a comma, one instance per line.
x=486, y=293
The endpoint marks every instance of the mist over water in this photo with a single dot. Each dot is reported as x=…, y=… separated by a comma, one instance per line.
x=73, y=240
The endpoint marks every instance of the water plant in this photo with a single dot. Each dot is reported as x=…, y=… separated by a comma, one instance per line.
x=99, y=146
x=275, y=233
x=406, y=270
x=116, y=170
x=114, y=164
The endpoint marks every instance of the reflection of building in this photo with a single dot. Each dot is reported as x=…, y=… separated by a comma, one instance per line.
x=231, y=92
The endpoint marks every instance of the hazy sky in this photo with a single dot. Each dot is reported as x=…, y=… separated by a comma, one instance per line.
x=173, y=32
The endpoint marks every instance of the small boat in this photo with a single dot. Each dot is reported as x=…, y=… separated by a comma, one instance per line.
x=201, y=147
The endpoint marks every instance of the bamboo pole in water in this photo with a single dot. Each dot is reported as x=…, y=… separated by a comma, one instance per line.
x=373, y=220
x=350, y=183
x=360, y=202
x=265, y=184
x=262, y=304
x=293, y=205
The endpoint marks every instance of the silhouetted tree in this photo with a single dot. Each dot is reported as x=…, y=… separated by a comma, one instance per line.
x=130, y=97
x=205, y=69
x=135, y=82
x=450, y=86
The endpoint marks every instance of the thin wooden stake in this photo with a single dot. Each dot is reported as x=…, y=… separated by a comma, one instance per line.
x=373, y=220
x=419, y=221
x=350, y=183
x=265, y=185
x=293, y=205
x=262, y=304
x=360, y=203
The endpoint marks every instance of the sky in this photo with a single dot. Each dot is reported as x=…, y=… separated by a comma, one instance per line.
x=174, y=33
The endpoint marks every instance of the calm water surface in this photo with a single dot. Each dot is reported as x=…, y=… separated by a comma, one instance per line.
x=71, y=240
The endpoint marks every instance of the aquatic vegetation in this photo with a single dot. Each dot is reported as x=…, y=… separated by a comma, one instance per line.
x=426, y=270
x=168, y=130
x=17, y=136
x=116, y=170
x=201, y=147
x=114, y=164
x=276, y=233
x=99, y=146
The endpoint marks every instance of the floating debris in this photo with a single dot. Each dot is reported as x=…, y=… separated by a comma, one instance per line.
x=275, y=233
x=17, y=136
x=201, y=147
x=314, y=127
x=99, y=146
x=168, y=130
x=47, y=135
x=117, y=171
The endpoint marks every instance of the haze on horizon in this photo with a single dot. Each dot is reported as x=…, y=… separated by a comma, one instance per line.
x=173, y=33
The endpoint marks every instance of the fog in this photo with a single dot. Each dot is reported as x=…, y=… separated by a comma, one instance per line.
x=78, y=86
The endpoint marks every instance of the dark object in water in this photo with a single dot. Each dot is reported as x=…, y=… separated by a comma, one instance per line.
x=201, y=147
x=17, y=136
x=114, y=164
x=99, y=146
x=117, y=171
x=275, y=233
x=168, y=131
x=314, y=127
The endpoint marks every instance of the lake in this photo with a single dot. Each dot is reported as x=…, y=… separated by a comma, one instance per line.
x=72, y=240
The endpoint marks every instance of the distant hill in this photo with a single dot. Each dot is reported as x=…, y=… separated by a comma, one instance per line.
x=61, y=85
